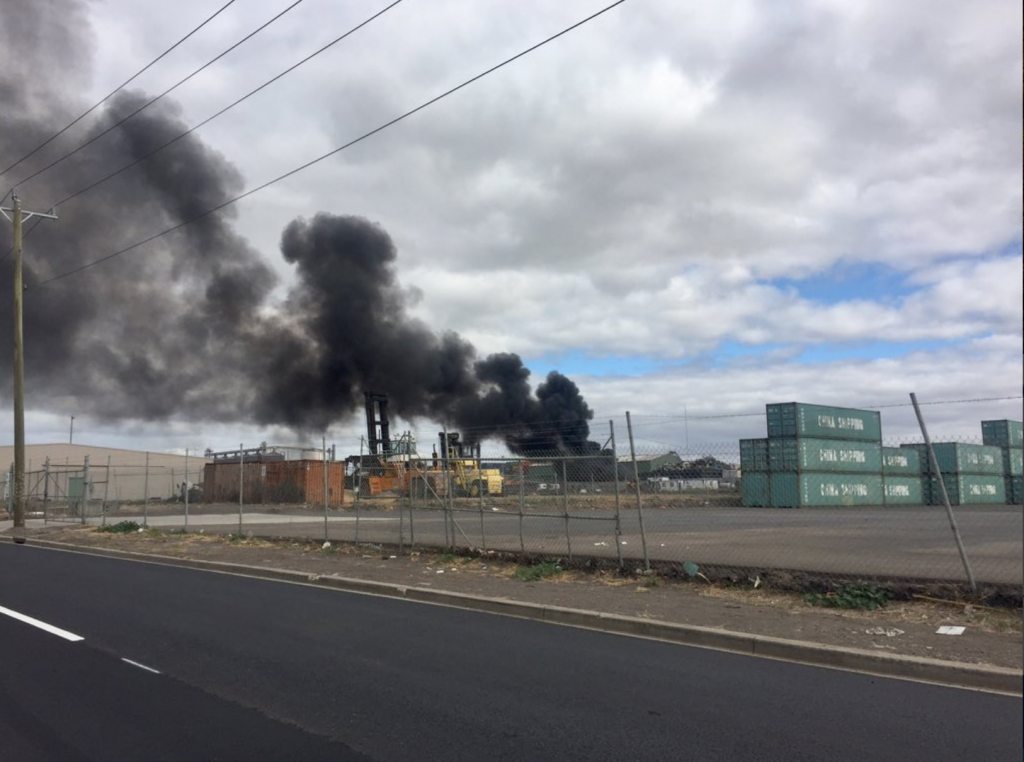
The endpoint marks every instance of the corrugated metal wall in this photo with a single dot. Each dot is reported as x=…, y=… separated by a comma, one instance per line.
x=283, y=481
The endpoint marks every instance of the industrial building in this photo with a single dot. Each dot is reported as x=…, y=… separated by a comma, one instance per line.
x=646, y=464
x=264, y=475
x=130, y=479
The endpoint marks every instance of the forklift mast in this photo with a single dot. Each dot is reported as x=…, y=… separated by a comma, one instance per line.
x=456, y=449
x=378, y=438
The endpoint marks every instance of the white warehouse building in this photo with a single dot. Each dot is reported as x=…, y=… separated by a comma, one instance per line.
x=130, y=478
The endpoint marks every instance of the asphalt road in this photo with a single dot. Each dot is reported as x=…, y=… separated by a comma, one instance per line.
x=913, y=542
x=252, y=669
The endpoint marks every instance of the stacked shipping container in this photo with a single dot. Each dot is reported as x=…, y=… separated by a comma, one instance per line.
x=971, y=473
x=819, y=456
x=901, y=473
x=1008, y=436
x=814, y=455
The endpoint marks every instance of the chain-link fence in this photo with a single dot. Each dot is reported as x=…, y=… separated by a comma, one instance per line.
x=77, y=492
x=832, y=509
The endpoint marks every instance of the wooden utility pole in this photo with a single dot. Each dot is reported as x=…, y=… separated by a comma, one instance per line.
x=17, y=217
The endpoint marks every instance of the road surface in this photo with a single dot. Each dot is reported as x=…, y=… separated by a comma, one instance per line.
x=252, y=669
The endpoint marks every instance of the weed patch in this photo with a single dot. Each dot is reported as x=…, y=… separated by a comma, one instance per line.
x=538, y=571
x=121, y=527
x=867, y=597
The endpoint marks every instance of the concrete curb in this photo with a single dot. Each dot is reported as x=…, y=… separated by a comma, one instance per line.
x=916, y=668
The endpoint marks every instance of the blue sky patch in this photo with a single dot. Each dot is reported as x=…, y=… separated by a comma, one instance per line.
x=871, y=350
x=851, y=282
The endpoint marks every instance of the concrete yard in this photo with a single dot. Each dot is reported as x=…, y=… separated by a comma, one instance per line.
x=900, y=543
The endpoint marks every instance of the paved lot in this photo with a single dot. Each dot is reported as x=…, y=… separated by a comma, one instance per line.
x=251, y=669
x=897, y=542
x=902, y=543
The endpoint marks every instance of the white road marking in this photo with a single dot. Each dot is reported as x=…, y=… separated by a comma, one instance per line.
x=42, y=625
x=140, y=666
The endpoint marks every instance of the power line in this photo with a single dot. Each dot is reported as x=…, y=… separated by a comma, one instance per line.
x=165, y=92
x=224, y=110
x=327, y=155
x=120, y=87
x=664, y=419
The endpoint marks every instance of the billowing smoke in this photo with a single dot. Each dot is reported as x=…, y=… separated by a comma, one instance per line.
x=186, y=327
x=349, y=330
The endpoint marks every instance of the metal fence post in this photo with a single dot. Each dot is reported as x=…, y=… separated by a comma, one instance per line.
x=46, y=488
x=326, y=486
x=636, y=488
x=522, y=503
x=85, y=489
x=618, y=514
x=106, y=494
x=359, y=486
x=945, y=496
x=565, y=507
x=409, y=485
x=444, y=495
x=480, y=495
x=145, y=495
x=449, y=505
x=401, y=521
x=241, y=485
x=186, y=489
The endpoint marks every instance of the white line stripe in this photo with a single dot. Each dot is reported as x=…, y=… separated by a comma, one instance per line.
x=42, y=625
x=140, y=666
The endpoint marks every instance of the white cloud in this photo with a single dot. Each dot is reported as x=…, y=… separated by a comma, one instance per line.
x=637, y=187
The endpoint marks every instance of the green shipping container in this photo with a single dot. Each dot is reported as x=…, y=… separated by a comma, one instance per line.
x=795, y=419
x=1013, y=461
x=1003, y=433
x=901, y=461
x=831, y=455
x=1015, y=490
x=753, y=455
x=958, y=458
x=969, y=489
x=903, y=490
x=793, y=490
x=756, y=489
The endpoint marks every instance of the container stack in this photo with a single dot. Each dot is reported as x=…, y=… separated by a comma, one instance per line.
x=1008, y=436
x=973, y=474
x=816, y=456
x=754, y=468
x=901, y=476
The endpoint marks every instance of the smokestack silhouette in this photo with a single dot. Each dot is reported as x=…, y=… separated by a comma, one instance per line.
x=186, y=327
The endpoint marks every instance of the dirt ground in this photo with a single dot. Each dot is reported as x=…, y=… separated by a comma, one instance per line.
x=992, y=636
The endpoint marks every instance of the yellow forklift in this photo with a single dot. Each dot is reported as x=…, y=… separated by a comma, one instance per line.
x=467, y=476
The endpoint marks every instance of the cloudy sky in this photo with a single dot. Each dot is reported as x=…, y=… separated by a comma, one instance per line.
x=689, y=208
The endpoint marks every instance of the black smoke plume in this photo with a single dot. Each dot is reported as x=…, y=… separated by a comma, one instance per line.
x=186, y=327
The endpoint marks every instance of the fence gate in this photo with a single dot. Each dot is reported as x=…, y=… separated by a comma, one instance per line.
x=57, y=493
